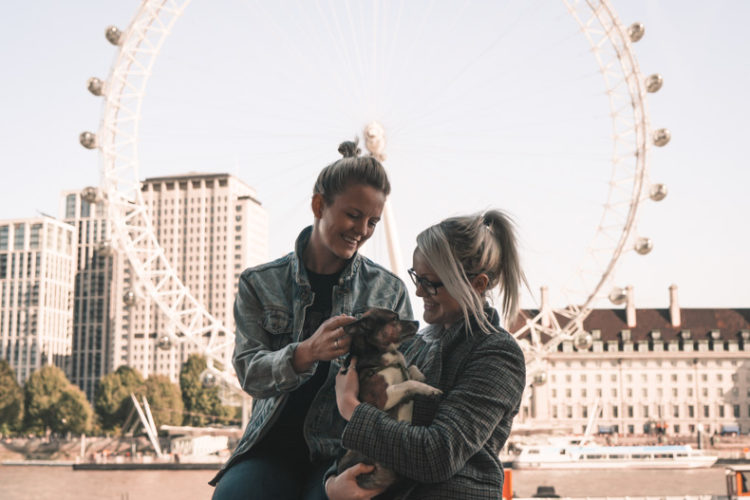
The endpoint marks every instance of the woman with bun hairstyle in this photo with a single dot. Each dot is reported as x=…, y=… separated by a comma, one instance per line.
x=289, y=315
x=450, y=449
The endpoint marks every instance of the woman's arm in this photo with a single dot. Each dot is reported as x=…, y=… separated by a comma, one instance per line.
x=488, y=389
x=264, y=372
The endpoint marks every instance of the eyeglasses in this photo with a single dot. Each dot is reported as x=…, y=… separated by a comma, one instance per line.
x=431, y=287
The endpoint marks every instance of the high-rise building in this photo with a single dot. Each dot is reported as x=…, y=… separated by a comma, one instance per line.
x=211, y=227
x=93, y=294
x=679, y=369
x=37, y=263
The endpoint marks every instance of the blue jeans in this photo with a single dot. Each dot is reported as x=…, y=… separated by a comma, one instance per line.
x=272, y=477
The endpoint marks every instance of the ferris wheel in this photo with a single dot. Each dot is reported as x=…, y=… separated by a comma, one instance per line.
x=117, y=138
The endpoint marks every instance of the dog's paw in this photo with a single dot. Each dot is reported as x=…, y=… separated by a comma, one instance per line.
x=433, y=392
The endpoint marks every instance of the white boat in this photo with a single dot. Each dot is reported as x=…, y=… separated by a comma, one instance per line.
x=572, y=456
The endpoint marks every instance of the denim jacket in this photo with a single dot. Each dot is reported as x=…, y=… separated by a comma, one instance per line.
x=269, y=313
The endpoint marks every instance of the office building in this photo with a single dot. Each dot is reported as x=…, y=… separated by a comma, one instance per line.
x=93, y=293
x=211, y=227
x=37, y=263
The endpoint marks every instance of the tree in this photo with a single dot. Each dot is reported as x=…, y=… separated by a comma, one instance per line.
x=11, y=400
x=202, y=404
x=53, y=403
x=112, y=396
x=42, y=393
x=73, y=412
x=165, y=400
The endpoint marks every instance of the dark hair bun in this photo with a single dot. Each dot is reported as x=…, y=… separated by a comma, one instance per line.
x=349, y=149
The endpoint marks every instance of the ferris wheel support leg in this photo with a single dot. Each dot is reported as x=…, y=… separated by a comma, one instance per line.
x=391, y=237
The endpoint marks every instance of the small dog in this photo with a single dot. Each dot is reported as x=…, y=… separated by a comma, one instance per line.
x=384, y=380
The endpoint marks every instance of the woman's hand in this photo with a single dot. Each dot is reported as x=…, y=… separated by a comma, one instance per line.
x=328, y=342
x=345, y=487
x=347, y=390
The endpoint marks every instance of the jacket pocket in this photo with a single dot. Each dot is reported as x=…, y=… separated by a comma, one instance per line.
x=278, y=323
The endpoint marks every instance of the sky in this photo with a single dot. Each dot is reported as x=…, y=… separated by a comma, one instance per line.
x=485, y=105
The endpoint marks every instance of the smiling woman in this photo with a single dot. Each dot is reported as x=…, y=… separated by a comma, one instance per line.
x=289, y=315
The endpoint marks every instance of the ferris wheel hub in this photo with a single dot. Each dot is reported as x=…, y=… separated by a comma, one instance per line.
x=375, y=140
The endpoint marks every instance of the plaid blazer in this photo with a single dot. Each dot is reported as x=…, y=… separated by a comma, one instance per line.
x=450, y=450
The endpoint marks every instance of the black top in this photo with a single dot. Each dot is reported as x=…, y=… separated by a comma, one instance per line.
x=286, y=437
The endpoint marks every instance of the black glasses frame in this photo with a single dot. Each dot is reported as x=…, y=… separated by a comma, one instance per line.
x=431, y=287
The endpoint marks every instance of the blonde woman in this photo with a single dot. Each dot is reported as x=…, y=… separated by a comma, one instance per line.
x=450, y=450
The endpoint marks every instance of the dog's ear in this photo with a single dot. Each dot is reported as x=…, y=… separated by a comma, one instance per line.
x=362, y=326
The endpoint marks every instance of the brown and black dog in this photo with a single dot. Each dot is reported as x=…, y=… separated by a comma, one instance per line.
x=384, y=379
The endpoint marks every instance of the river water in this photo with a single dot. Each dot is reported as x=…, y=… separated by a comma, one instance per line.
x=62, y=483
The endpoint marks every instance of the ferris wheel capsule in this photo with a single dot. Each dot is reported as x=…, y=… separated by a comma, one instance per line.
x=208, y=379
x=617, y=296
x=658, y=192
x=661, y=137
x=164, y=343
x=95, y=86
x=114, y=35
x=654, y=83
x=90, y=194
x=105, y=249
x=636, y=31
x=129, y=298
x=583, y=340
x=644, y=245
x=87, y=140
x=539, y=377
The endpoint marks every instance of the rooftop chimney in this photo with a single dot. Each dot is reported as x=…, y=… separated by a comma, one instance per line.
x=630, y=307
x=546, y=322
x=674, y=306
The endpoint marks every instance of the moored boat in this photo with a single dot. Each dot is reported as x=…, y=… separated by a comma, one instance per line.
x=604, y=457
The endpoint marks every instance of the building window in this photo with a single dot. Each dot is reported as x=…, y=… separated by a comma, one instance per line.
x=631, y=412
x=736, y=411
x=721, y=411
x=674, y=392
x=3, y=237
x=615, y=411
x=569, y=411
x=706, y=411
x=677, y=428
x=18, y=234
x=676, y=412
x=691, y=411
x=645, y=411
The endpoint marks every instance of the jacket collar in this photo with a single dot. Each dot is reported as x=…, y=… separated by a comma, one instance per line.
x=298, y=267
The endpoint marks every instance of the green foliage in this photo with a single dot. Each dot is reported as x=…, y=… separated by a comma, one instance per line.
x=53, y=403
x=202, y=404
x=11, y=400
x=73, y=412
x=42, y=392
x=165, y=400
x=112, y=396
